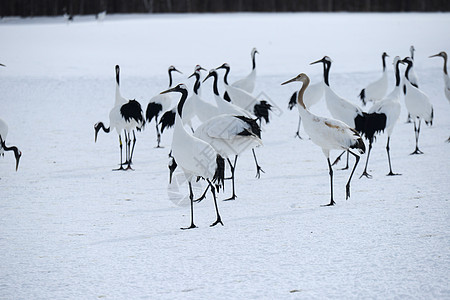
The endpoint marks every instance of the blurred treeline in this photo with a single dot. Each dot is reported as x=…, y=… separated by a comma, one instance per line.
x=27, y=8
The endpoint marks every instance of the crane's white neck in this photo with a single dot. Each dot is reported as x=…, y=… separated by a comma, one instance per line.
x=119, y=98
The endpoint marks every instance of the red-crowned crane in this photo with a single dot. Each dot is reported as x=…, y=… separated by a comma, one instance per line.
x=383, y=116
x=248, y=82
x=376, y=90
x=328, y=134
x=417, y=103
x=197, y=158
x=126, y=115
x=159, y=104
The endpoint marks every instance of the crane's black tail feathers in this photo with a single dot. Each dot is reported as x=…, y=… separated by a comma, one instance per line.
x=358, y=143
x=133, y=110
x=153, y=110
x=219, y=175
x=262, y=109
x=370, y=124
x=167, y=119
x=293, y=101
x=172, y=167
x=254, y=127
x=430, y=122
x=362, y=96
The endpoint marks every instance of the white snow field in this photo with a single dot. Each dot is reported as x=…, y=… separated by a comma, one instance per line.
x=71, y=228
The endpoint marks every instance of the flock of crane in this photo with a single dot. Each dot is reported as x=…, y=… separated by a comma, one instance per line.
x=232, y=124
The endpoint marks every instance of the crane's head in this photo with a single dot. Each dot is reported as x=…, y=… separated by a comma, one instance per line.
x=254, y=51
x=300, y=77
x=179, y=88
x=199, y=68
x=384, y=55
x=442, y=54
x=224, y=66
x=324, y=60
x=412, y=49
x=397, y=60
x=407, y=60
x=212, y=73
x=2, y=65
x=172, y=68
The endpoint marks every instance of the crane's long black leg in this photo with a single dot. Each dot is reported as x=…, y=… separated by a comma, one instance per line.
x=232, y=168
x=130, y=162
x=389, y=159
x=125, y=133
x=218, y=218
x=258, y=168
x=158, y=134
x=347, y=187
x=338, y=158
x=331, y=182
x=191, y=196
x=367, y=162
x=297, y=134
x=203, y=196
x=120, y=146
x=417, y=132
x=346, y=167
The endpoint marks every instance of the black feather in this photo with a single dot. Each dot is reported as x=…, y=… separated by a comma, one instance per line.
x=370, y=124
x=362, y=96
x=132, y=110
x=359, y=144
x=153, y=110
x=167, y=119
x=432, y=116
x=261, y=110
x=255, y=129
x=172, y=167
x=219, y=175
x=293, y=101
x=226, y=97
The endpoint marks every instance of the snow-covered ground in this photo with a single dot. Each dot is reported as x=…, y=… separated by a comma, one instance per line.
x=72, y=228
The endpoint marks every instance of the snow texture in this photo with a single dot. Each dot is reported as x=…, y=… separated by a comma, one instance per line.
x=70, y=228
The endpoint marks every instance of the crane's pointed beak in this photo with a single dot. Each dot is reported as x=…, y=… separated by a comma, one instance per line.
x=209, y=75
x=202, y=69
x=2, y=65
x=317, y=61
x=169, y=91
x=191, y=75
x=290, y=80
x=436, y=55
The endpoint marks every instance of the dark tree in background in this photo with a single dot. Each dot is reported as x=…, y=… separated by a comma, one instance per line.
x=28, y=8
